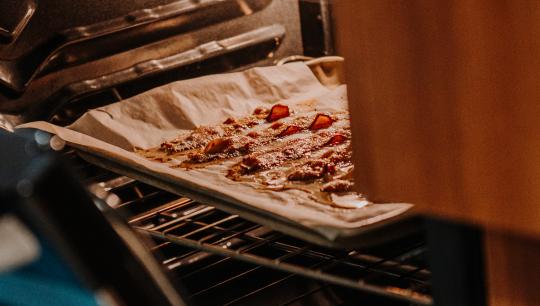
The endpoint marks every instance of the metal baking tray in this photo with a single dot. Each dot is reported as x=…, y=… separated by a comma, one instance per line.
x=328, y=71
x=368, y=236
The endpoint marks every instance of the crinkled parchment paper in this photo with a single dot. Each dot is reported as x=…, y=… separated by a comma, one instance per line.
x=146, y=120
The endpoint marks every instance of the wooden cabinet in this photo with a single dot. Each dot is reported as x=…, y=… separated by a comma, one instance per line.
x=445, y=103
x=513, y=270
x=445, y=106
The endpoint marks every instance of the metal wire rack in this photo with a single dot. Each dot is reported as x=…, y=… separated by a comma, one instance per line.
x=186, y=232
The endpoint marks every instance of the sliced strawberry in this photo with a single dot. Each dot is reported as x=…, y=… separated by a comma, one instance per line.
x=335, y=140
x=277, y=112
x=293, y=129
x=321, y=121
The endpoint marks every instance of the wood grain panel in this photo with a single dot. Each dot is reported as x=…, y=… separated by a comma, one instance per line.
x=445, y=103
x=513, y=270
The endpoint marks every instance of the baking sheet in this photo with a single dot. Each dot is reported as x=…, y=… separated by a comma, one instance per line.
x=109, y=135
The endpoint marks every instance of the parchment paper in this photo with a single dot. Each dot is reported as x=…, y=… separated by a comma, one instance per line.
x=146, y=120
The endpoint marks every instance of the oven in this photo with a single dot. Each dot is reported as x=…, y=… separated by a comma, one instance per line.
x=59, y=59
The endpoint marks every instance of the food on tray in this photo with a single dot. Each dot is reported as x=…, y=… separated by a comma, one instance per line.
x=326, y=164
x=277, y=112
x=255, y=139
x=337, y=186
x=274, y=148
x=278, y=155
x=322, y=121
x=202, y=136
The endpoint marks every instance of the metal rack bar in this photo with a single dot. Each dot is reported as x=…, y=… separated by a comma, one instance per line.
x=259, y=290
x=403, y=294
x=209, y=232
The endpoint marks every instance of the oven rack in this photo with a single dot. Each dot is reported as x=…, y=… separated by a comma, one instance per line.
x=398, y=270
x=207, y=229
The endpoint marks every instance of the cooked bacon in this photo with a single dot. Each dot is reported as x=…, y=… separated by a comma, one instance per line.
x=324, y=165
x=276, y=156
x=293, y=129
x=236, y=146
x=197, y=157
x=342, y=156
x=328, y=153
x=196, y=139
x=252, y=140
x=277, y=112
x=330, y=168
x=338, y=156
x=322, y=156
x=202, y=136
x=168, y=147
x=305, y=175
x=337, y=186
x=321, y=121
x=310, y=170
x=223, y=148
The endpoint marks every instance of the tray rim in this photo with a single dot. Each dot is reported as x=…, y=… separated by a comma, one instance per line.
x=401, y=225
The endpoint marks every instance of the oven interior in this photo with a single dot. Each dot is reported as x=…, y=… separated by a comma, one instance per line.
x=223, y=259
x=219, y=258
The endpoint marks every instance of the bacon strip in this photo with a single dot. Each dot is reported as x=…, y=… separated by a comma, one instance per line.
x=202, y=136
x=320, y=158
x=230, y=147
x=326, y=164
x=196, y=139
x=277, y=156
x=311, y=170
x=238, y=145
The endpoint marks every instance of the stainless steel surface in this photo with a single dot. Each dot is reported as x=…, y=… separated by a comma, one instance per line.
x=171, y=18
x=326, y=19
x=317, y=30
x=23, y=11
x=273, y=34
x=94, y=58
